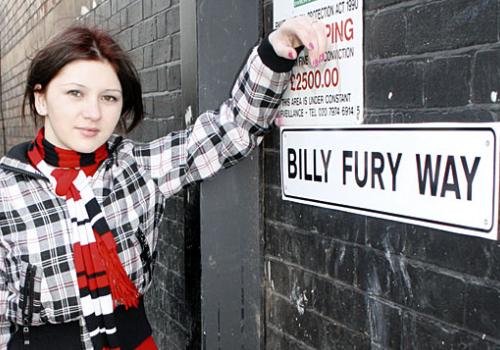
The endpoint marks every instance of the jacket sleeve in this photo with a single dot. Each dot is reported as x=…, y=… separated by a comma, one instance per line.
x=218, y=139
x=4, y=322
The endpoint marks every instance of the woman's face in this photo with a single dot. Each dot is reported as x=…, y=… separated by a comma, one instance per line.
x=81, y=104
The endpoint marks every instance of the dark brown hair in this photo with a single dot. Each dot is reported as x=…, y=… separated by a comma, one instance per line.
x=83, y=43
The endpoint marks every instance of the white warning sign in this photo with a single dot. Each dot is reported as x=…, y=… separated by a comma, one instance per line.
x=443, y=176
x=332, y=92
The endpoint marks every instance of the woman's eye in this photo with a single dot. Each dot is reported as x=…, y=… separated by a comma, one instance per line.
x=109, y=98
x=75, y=93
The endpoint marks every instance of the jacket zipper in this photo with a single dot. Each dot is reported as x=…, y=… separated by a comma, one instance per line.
x=24, y=172
x=29, y=292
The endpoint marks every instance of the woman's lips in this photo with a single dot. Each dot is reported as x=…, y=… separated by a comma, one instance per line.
x=88, y=132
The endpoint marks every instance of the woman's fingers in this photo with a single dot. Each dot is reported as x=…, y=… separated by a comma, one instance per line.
x=282, y=48
x=299, y=31
x=321, y=33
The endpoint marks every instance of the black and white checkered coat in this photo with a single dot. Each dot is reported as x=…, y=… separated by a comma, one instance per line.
x=37, y=276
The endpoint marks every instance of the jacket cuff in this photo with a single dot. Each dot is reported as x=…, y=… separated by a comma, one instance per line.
x=272, y=60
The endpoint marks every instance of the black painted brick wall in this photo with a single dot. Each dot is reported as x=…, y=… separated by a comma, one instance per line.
x=342, y=281
x=150, y=31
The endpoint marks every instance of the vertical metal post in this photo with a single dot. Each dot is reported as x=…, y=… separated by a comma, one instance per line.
x=230, y=211
x=189, y=85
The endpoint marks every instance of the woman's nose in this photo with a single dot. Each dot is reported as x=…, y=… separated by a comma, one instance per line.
x=92, y=109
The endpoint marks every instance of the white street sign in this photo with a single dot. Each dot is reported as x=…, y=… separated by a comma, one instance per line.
x=443, y=176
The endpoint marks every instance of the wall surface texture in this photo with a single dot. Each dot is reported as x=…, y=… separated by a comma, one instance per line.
x=342, y=281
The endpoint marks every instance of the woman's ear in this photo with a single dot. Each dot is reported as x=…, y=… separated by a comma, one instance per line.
x=40, y=102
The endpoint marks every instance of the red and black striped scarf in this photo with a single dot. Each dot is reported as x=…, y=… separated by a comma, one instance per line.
x=102, y=280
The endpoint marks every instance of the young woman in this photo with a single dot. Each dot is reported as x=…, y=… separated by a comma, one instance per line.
x=80, y=206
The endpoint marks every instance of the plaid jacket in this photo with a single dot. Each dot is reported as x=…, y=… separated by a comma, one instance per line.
x=37, y=276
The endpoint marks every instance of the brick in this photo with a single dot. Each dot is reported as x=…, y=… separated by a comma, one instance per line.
x=176, y=47
x=170, y=124
x=162, y=78
x=305, y=250
x=103, y=11
x=137, y=57
x=344, y=305
x=167, y=105
x=278, y=341
x=147, y=8
x=447, y=250
x=394, y=85
x=482, y=306
x=493, y=256
x=451, y=24
x=385, y=324
x=118, y=5
x=174, y=232
x=386, y=36
x=124, y=39
x=272, y=168
x=293, y=214
x=144, y=32
x=175, y=259
x=486, y=77
x=143, y=132
x=174, y=77
x=149, y=80
x=114, y=23
x=173, y=209
x=175, y=284
x=447, y=82
x=385, y=235
x=177, y=335
x=374, y=4
x=436, y=294
x=340, y=262
x=425, y=333
x=324, y=221
x=148, y=56
x=162, y=51
x=160, y=5
x=382, y=275
x=278, y=276
x=303, y=326
x=466, y=114
x=168, y=22
x=337, y=337
x=124, y=18
x=148, y=105
x=134, y=13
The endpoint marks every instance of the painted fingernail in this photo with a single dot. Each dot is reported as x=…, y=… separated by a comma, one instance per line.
x=311, y=46
x=322, y=57
x=291, y=55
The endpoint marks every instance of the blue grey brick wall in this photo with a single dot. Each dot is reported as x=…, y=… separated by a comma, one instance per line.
x=341, y=281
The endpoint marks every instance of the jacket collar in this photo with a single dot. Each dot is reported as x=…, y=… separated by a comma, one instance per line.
x=16, y=159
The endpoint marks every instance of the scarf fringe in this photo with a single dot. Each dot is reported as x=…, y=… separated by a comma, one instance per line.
x=123, y=290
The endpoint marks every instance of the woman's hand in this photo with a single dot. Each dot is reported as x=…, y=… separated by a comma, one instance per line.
x=298, y=31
